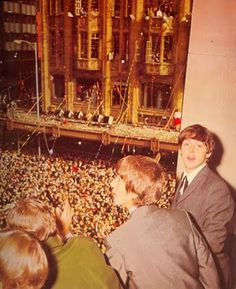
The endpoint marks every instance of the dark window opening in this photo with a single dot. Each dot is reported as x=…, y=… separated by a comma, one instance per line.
x=94, y=5
x=84, y=5
x=53, y=43
x=116, y=44
x=156, y=48
x=95, y=45
x=128, y=8
x=155, y=95
x=125, y=55
x=117, y=8
x=84, y=45
x=168, y=48
x=58, y=86
x=88, y=90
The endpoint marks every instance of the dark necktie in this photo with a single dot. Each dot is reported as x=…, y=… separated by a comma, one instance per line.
x=184, y=184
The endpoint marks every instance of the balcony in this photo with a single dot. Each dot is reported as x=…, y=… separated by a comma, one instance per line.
x=159, y=69
x=93, y=22
x=154, y=24
x=89, y=64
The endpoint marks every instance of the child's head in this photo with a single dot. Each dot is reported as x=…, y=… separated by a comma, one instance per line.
x=23, y=263
x=32, y=216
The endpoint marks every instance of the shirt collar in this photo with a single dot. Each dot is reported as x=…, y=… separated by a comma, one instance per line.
x=131, y=209
x=193, y=174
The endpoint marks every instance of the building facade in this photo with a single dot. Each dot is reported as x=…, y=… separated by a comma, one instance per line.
x=122, y=58
x=17, y=67
x=119, y=58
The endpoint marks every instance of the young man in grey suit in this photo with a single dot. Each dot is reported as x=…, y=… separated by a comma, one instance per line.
x=155, y=248
x=206, y=197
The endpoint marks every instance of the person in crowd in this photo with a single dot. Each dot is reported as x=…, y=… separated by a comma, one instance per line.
x=23, y=262
x=75, y=261
x=204, y=194
x=80, y=178
x=155, y=247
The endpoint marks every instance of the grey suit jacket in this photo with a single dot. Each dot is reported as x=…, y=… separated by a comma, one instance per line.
x=209, y=201
x=160, y=248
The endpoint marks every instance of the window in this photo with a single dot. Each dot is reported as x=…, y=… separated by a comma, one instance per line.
x=59, y=7
x=84, y=5
x=94, y=5
x=116, y=44
x=95, y=45
x=155, y=95
x=168, y=48
x=127, y=8
x=52, y=7
x=84, y=44
x=77, y=7
x=117, y=8
x=53, y=43
x=155, y=48
x=119, y=93
x=61, y=46
x=10, y=6
x=125, y=55
x=81, y=8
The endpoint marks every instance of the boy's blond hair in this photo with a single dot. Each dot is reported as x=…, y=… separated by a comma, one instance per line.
x=32, y=216
x=23, y=263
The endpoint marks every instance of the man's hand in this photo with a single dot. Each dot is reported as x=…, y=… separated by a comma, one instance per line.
x=64, y=220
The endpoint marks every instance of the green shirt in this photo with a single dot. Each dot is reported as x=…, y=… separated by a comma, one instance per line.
x=78, y=264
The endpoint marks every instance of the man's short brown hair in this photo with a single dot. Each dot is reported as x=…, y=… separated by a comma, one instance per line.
x=200, y=133
x=143, y=176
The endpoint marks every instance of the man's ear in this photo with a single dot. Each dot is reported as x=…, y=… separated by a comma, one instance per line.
x=208, y=155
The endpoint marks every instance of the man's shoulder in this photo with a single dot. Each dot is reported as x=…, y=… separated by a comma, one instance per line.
x=126, y=230
x=82, y=241
x=215, y=189
x=211, y=177
x=153, y=213
x=217, y=181
x=119, y=231
x=148, y=216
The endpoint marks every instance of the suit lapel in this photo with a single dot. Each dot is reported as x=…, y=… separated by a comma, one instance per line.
x=177, y=193
x=200, y=178
x=180, y=183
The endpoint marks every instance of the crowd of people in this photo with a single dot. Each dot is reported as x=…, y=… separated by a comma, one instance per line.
x=81, y=179
x=149, y=234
